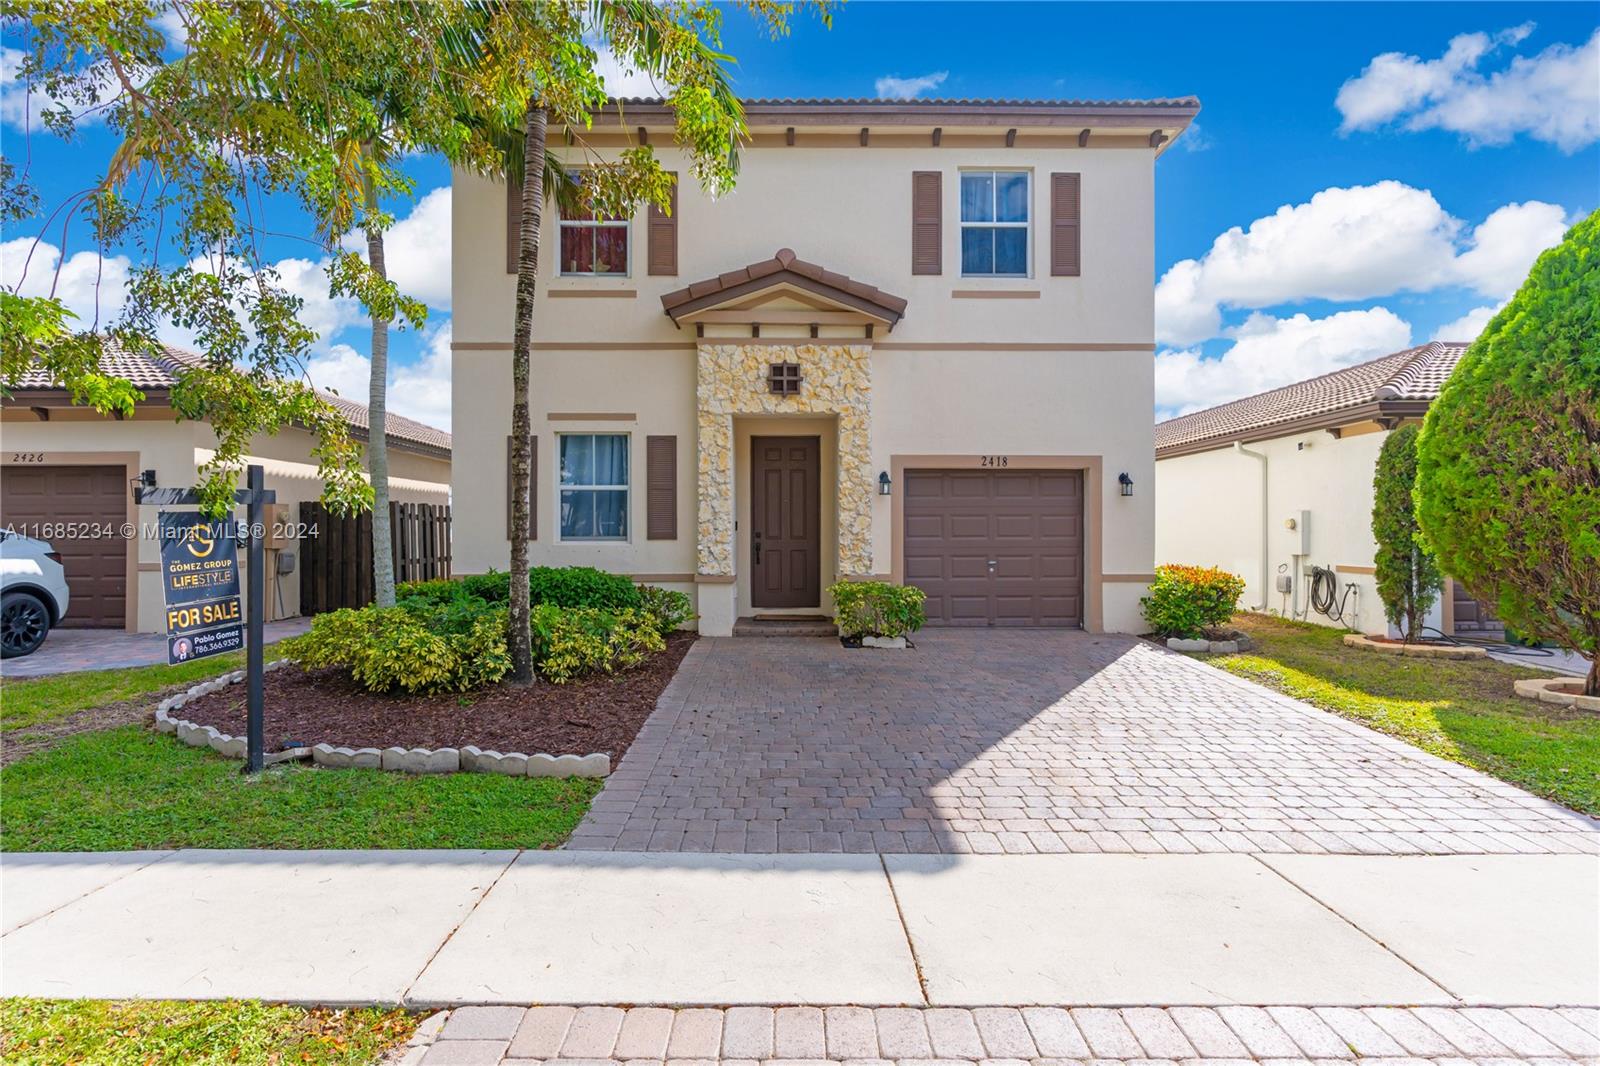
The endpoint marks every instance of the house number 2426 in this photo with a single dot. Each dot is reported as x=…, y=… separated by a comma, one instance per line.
x=994, y=460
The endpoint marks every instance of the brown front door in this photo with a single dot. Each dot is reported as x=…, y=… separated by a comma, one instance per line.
x=996, y=548
x=50, y=502
x=1473, y=616
x=785, y=522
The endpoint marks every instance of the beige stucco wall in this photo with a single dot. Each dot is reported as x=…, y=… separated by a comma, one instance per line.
x=1208, y=512
x=174, y=450
x=944, y=381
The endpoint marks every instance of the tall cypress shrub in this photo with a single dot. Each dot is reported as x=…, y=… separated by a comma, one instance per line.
x=1508, y=463
x=1407, y=573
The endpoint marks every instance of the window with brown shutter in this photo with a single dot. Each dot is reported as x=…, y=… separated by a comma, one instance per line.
x=513, y=226
x=661, y=235
x=661, y=488
x=1066, y=210
x=927, y=233
x=533, y=487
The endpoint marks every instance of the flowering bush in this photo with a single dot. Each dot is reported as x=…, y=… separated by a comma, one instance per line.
x=1184, y=600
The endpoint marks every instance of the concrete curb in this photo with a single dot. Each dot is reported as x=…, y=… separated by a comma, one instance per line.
x=1561, y=691
x=468, y=759
x=1420, y=651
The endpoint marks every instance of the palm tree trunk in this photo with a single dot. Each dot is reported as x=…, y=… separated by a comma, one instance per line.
x=519, y=640
x=377, y=431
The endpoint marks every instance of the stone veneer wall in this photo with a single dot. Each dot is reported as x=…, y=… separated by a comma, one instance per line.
x=732, y=381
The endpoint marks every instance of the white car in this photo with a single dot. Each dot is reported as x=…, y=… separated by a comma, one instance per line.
x=33, y=593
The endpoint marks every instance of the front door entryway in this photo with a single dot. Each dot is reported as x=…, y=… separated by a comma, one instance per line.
x=785, y=521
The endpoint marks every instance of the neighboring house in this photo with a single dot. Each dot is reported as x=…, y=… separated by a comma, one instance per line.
x=914, y=344
x=1273, y=485
x=69, y=471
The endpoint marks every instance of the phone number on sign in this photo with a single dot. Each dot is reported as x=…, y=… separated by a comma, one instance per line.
x=149, y=530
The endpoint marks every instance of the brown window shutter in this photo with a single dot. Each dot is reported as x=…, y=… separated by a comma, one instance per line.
x=927, y=233
x=662, y=236
x=1066, y=211
x=533, y=487
x=661, y=488
x=513, y=226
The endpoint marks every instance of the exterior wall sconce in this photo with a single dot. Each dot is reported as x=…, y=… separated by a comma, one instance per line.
x=1126, y=484
x=884, y=488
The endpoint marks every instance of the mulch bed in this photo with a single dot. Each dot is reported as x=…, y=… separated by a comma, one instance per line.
x=601, y=714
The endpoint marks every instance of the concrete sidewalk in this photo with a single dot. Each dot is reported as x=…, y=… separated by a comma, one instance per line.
x=486, y=927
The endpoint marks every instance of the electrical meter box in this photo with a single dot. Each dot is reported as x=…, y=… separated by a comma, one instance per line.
x=276, y=517
x=1298, y=525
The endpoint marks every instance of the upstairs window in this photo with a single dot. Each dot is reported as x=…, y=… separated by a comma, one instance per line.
x=593, y=247
x=995, y=223
x=594, y=486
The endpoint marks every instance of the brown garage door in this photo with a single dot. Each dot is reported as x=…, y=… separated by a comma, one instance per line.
x=32, y=497
x=996, y=548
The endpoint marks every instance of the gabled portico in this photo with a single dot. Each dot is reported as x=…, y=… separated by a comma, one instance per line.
x=783, y=415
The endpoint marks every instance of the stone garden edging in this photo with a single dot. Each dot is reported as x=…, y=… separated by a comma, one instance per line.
x=1214, y=647
x=1561, y=691
x=1420, y=651
x=467, y=759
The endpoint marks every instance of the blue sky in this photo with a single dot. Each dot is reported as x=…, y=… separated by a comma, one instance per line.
x=1361, y=176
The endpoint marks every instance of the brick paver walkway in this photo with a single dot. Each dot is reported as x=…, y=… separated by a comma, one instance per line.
x=1006, y=1036
x=1031, y=741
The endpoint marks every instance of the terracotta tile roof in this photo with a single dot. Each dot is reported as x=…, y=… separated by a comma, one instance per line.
x=1413, y=374
x=784, y=267
x=162, y=371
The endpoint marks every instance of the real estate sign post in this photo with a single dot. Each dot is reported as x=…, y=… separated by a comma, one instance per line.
x=200, y=582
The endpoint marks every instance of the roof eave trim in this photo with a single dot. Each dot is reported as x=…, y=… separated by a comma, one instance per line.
x=1345, y=416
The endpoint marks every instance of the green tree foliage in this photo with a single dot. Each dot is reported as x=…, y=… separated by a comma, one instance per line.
x=263, y=98
x=1508, y=463
x=1407, y=573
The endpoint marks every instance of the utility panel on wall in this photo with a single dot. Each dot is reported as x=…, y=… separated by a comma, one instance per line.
x=1299, y=526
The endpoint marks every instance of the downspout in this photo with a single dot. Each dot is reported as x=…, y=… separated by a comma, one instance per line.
x=1240, y=449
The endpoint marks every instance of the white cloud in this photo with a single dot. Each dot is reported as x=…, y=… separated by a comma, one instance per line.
x=897, y=88
x=621, y=79
x=1553, y=96
x=1350, y=244
x=20, y=106
x=419, y=390
x=1268, y=352
x=1468, y=326
x=1504, y=246
x=84, y=282
x=1194, y=139
x=416, y=250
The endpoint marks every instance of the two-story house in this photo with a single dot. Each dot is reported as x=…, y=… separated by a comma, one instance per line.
x=914, y=344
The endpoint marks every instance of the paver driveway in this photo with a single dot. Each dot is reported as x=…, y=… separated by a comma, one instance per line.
x=1030, y=740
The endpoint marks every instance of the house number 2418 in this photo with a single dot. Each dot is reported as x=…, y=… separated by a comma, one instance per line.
x=994, y=460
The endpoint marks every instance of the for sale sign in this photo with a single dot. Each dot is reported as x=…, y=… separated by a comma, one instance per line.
x=200, y=586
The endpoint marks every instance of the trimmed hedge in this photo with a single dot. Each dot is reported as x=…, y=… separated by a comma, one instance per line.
x=877, y=608
x=1185, y=600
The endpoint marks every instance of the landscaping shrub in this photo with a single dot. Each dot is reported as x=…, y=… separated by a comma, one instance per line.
x=432, y=593
x=671, y=610
x=1184, y=600
x=1407, y=575
x=877, y=608
x=569, y=642
x=409, y=649
x=582, y=586
x=1508, y=463
x=493, y=587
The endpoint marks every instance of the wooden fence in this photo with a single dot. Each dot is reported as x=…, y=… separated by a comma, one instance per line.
x=336, y=565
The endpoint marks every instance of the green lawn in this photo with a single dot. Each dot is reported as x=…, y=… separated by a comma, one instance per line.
x=38, y=1032
x=129, y=788
x=36, y=701
x=1464, y=711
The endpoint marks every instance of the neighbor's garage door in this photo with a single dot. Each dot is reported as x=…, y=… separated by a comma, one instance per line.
x=998, y=548
x=45, y=496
